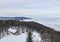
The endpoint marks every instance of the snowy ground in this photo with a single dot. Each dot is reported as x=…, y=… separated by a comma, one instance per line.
x=21, y=38
x=13, y=38
x=36, y=36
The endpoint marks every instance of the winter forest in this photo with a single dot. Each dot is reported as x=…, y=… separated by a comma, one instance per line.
x=16, y=31
x=29, y=20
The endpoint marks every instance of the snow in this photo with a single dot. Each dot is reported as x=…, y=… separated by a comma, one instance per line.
x=12, y=30
x=21, y=38
x=36, y=36
x=13, y=38
x=52, y=22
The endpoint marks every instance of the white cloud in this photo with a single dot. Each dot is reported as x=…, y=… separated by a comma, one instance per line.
x=14, y=7
x=31, y=3
x=27, y=11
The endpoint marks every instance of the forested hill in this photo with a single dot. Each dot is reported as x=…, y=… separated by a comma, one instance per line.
x=39, y=27
x=43, y=30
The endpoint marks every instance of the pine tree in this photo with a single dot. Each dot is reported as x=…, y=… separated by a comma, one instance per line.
x=29, y=39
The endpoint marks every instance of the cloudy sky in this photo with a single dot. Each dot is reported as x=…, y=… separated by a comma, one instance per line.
x=29, y=7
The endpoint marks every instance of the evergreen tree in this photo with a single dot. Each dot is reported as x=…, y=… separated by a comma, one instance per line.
x=29, y=39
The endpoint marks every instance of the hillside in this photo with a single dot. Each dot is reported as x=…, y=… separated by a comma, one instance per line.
x=46, y=32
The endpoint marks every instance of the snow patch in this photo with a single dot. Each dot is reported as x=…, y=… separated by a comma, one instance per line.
x=13, y=38
x=12, y=30
x=36, y=36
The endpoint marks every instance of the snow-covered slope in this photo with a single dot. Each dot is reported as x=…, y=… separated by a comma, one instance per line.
x=21, y=38
x=13, y=38
x=12, y=30
x=36, y=37
x=53, y=22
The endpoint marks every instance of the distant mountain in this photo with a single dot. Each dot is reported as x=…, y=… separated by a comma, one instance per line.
x=13, y=18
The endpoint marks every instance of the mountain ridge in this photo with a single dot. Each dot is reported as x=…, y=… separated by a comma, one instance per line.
x=13, y=18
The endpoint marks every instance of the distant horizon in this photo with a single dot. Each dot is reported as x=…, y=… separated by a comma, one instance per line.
x=33, y=15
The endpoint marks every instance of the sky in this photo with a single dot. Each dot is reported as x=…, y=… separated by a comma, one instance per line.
x=30, y=8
